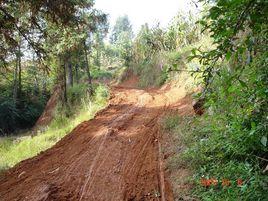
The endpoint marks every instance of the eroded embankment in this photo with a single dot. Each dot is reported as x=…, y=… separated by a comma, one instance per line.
x=115, y=156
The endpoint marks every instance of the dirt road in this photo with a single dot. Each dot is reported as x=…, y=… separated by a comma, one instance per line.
x=114, y=157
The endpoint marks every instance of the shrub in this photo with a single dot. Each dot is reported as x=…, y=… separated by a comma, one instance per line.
x=230, y=140
x=19, y=116
x=14, y=150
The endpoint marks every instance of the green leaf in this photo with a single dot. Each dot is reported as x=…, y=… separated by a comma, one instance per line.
x=175, y=66
x=253, y=125
x=264, y=140
x=243, y=84
x=193, y=51
x=228, y=55
x=231, y=89
x=252, y=132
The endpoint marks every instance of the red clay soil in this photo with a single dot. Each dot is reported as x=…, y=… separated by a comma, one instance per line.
x=47, y=115
x=114, y=157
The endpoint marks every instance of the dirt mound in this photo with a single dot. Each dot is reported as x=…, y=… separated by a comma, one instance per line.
x=47, y=115
x=114, y=157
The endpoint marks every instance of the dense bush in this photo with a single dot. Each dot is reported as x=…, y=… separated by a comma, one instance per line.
x=21, y=115
x=15, y=149
x=157, y=51
x=101, y=74
x=230, y=141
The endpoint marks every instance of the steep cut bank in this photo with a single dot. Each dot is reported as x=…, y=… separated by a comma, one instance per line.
x=47, y=114
x=115, y=156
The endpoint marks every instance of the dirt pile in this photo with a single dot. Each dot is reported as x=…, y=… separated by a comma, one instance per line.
x=47, y=115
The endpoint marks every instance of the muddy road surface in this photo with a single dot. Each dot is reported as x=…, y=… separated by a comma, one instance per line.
x=114, y=157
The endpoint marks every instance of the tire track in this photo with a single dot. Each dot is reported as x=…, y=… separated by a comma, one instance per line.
x=114, y=157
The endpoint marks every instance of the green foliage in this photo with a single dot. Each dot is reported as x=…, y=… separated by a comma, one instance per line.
x=16, y=149
x=40, y=39
x=182, y=31
x=230, y=141
x=20, y=19
x=212, y=151
x=229, y=19
x=239, y=82
x=19, y=116
x=8, y=115
x=122, y=27
x=121, y=39
x=101, y=74
x=215, y=151
x=157, y=52
x=239, y=31
x=170, y=122
x=150, y=72
x=101, y=95
x=76, y=93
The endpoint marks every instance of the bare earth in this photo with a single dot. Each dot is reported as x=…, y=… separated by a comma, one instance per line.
x=114, y=157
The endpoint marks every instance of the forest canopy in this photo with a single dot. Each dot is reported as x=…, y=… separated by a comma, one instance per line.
x=36, y=38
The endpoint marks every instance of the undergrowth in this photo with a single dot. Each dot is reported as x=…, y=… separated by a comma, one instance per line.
x=200, y=145
x=81, y=108
x=226, y=148
x=169, y=65
x=172, y=148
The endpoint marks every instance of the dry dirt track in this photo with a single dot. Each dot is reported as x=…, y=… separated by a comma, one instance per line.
x=114, y=157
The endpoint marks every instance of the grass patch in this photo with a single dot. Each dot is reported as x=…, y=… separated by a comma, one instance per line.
x=170, y=122
x=198, y=149
x=173, y=147
x=165, y=66
x=212, y=155
x=13, y=150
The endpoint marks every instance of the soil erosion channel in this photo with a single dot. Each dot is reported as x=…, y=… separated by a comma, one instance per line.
x=114, y=157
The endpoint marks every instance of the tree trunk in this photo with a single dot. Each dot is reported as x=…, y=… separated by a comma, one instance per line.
x=15, y=85
x=69, y=74
x=19, y=73
x=62, y=79
x=90, y=90
x=37, y=80
x=36, y=86
x=17, y=78
x=98, y=58
x=44, y=89
x=76, y=74
x=64, y=82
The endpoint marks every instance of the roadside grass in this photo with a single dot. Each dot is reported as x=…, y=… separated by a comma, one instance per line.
x=166, y=66
x=15, y=149
x=173, y=146
x=151, y=72
x=222, y=170
x=200, y=166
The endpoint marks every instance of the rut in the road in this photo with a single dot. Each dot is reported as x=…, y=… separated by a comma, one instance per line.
x=113, y=157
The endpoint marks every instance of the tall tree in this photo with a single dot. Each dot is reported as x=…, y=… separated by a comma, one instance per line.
x=122, y=27
x=30, y=18
x=46, y=30
x=121, y=38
